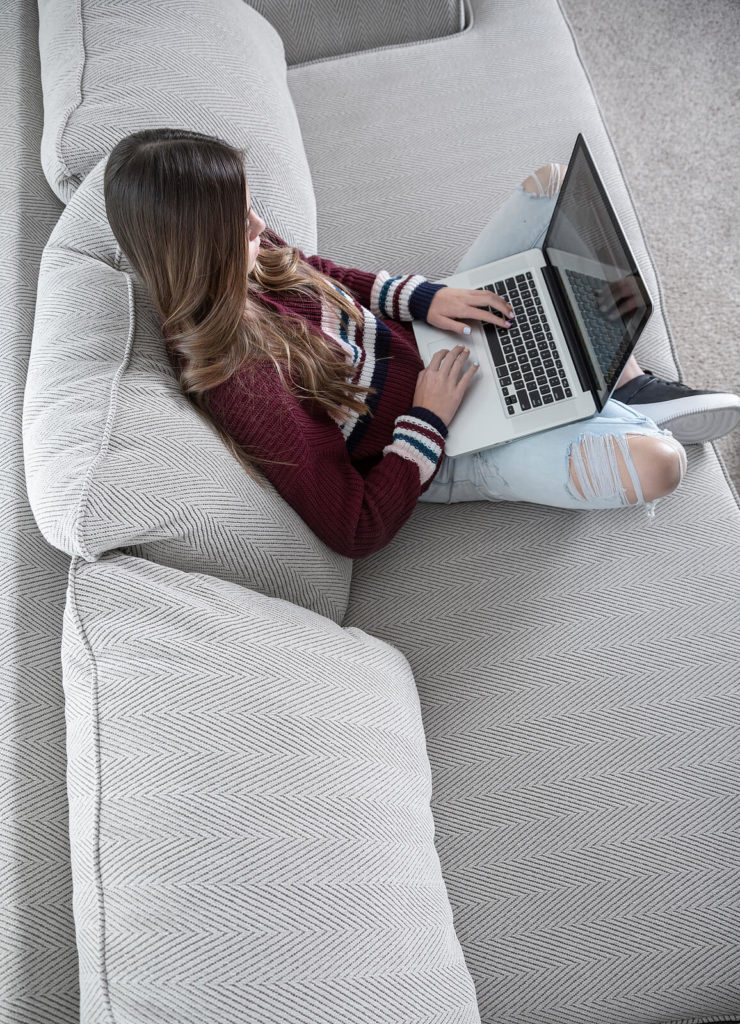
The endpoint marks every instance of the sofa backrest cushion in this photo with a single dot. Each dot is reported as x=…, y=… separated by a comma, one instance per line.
x=116, y=455
x=313, y=30
x=109, y=69
x=250, y=820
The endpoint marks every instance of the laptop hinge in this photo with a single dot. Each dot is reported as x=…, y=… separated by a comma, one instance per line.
x=574, y=342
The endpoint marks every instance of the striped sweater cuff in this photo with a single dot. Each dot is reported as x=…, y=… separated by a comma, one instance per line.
x=416, y=439
x=403, y=297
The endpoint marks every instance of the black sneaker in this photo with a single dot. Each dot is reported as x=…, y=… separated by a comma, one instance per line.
x=691, y=415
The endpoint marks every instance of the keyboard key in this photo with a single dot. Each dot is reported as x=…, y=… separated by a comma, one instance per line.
x=523, y=400
x=494, y=345
x=558, y=393
x=548, y=398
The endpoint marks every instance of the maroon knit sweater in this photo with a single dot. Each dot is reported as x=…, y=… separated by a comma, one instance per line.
x=354, y=483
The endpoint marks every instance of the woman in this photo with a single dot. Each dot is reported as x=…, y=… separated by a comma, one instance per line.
x=309, y=371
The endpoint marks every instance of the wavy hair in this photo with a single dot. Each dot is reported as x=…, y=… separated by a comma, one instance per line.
x=176, y=201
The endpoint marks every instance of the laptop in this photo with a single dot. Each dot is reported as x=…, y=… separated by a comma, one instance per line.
x=562, y=357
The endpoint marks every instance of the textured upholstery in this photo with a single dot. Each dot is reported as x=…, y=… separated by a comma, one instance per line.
x=561, y=660
x=249, y=812
x=216, y=67
x=38, y=962
x=577, y=671
x=311, y=30
x=117, y=457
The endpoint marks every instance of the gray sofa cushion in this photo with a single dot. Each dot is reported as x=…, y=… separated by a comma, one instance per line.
x=249, y=812
x=109, y=69
x=115, y=454
x=577, y=671
x=311, y=30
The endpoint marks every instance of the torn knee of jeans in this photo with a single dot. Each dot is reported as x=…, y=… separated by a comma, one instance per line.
x=545, y=181
x=594, y=469
x=682, y=459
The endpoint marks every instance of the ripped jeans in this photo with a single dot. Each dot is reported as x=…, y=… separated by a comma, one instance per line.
x=537, y=468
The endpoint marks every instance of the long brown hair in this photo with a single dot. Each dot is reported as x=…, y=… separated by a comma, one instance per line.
x=176, y=202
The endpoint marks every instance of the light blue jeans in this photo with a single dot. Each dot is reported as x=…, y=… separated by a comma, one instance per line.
x=537, y=468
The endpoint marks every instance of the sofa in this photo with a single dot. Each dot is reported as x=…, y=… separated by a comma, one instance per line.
x=488, y=773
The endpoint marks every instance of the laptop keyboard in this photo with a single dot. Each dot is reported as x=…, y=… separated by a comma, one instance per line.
x=607, y=337
x=527, y=361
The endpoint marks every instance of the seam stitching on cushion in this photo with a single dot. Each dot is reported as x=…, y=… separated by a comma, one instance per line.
x=95, y=728
x=105, y=443
x=78, y=101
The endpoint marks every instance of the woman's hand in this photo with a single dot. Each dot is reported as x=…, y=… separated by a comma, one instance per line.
x=451, y=307
x=439, y=387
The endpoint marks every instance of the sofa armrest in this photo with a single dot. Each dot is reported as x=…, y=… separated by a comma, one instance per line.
x=315, y=29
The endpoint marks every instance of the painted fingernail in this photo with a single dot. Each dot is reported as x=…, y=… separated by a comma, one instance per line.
x=466, y=330
x=508, y=323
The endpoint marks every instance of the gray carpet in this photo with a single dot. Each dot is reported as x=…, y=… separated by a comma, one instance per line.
x=666, y=78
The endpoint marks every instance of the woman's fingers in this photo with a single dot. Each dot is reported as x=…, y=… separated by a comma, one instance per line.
x=451, y=325
x=457, y=353
x=482, y=297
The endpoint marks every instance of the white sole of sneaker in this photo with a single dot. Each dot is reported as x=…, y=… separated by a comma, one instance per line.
x=712, y=417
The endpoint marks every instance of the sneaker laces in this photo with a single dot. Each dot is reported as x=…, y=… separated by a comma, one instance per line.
x=674, y=383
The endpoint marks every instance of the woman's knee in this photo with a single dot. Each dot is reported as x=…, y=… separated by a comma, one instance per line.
x=545, y=180
x=599, y=468
x=660, y=463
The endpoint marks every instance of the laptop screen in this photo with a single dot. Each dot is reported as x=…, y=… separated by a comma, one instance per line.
x=585, y=245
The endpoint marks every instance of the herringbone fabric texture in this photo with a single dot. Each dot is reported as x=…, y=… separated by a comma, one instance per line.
x=578, y=671
x=117, y=457
x=563, y=662
x=318, y=29
x=109, y=69
x=249, y=812
x=38, y=962
x=580, y=694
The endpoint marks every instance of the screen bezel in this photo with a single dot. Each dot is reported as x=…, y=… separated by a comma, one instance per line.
x=600, y=397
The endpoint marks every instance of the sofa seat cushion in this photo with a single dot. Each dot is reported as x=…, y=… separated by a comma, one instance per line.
x=116, y=456
x=579, y=682
x=109, y=69
x=250, y=817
